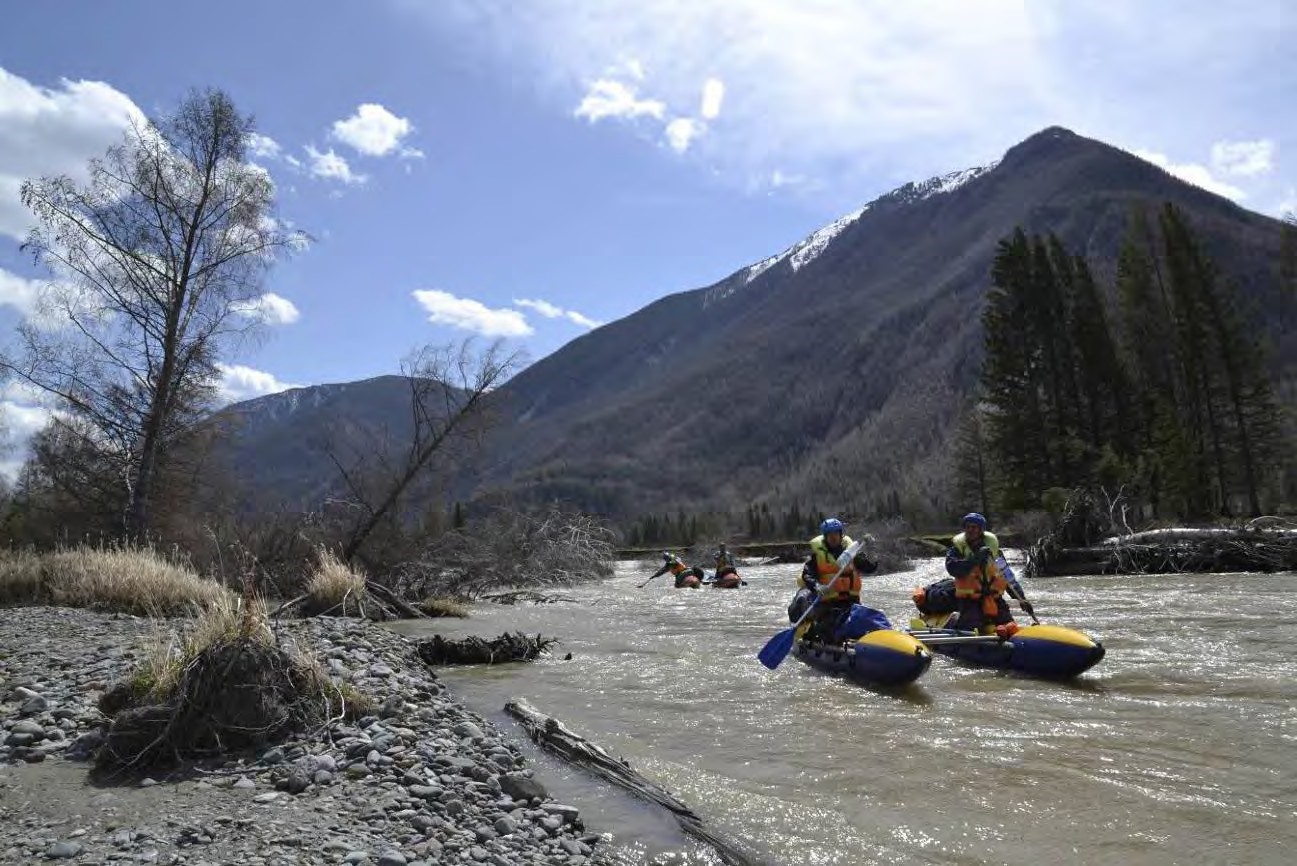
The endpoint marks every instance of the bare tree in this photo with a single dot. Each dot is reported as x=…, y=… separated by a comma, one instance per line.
x=449, y=408
x=157, y=262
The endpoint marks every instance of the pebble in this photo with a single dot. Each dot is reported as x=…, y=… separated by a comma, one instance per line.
x=423, y=780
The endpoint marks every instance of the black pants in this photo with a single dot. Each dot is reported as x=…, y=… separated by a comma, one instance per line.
x=971, y=615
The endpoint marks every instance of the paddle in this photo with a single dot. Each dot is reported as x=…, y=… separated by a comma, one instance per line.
x=1012, y=580
x=661, y=571
x=777, y=648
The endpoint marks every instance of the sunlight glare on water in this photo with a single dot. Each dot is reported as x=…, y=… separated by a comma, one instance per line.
x=1177, y=748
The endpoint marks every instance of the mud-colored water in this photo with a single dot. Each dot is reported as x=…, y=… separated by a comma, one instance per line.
x=1180, y=747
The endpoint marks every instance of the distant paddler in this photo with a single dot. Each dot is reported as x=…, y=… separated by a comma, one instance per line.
x=727, y=575
x=685, y=577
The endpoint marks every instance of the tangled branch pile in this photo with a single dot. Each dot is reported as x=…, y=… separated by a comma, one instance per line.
x=1082, y=543
x=510, y=549
x=226, y=687
x=508, y=647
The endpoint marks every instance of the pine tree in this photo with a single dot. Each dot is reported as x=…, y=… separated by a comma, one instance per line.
x=1287, y=305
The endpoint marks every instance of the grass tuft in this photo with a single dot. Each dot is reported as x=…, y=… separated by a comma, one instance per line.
x=334, y=587
x=443, y=607
x=137, y=581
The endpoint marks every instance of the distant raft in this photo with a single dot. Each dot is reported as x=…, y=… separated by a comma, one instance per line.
x=883, y=657
x=1047, y=651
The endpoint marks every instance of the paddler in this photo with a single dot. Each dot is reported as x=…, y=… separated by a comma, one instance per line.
x=981, y=578
x=683, y=574
x=724, y=561
x=836, y=595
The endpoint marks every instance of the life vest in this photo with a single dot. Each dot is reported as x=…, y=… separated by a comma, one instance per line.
x=847, y=586
x=986, y=584
x=676, y=567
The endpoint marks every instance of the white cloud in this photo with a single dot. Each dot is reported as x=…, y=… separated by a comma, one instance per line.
x=553, y=311
x=18, y=292
x=1194, y=173
x=870, y=93
x=582, y=320
x=545, y=308
x=375, y=131
x=443, y=308
x=24, y=410
x=1243, y=158
x=713, y=95
x=270, y=308
x=681, y=132
x=263, y=146
x=48, y=131
x=330, y=166
x=243, y=383
x=610, y=98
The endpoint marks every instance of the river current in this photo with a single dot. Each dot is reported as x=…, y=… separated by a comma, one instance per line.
x=1179, y=747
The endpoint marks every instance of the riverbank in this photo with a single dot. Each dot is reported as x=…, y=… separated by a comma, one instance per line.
x=421, y=780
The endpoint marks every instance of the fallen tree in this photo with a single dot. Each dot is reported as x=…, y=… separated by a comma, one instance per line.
x=508, y=647
x=510, y=550
x=553, y=736
x=1083, y=542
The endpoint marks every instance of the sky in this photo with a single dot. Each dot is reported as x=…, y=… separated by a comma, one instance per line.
x=529, y=170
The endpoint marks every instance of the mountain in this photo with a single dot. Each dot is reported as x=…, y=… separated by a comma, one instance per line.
x=832, y=374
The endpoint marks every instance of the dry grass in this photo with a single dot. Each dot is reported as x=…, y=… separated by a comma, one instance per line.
x=334, y=587
x=231, y=618
x=443, y=607
x=118, y=579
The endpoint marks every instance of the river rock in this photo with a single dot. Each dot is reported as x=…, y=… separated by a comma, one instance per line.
x=64, y=850
x=522, y=787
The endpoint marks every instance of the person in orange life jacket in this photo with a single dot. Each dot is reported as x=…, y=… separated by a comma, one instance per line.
x=836, y=595
x=672, y=563
x=974, y=561
x=724, y=561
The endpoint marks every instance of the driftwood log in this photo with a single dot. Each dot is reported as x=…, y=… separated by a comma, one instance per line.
x=553, y=736
x=508, y=647
x=1078, y=545
x=384, y=604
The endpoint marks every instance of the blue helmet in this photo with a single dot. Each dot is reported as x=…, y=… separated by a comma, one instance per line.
x=832, y=525
x=974, y=517
x=667, y=556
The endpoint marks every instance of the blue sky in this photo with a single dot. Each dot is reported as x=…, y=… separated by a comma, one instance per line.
x=454, y=158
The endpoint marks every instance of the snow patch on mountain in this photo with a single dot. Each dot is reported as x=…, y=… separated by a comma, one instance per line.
x=805, y=251
x=940, y=185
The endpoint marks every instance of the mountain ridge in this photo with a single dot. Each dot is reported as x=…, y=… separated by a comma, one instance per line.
x=834, y=371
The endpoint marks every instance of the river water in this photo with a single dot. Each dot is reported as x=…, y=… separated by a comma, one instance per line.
x=1180, y=747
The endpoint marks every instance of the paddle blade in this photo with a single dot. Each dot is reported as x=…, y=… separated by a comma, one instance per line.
x=777, y=648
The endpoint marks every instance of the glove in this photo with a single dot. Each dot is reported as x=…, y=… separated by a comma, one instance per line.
x=1026, y=607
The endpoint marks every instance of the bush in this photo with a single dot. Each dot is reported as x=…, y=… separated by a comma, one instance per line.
x=224, y=685
x=334, y=588
x=117, y=579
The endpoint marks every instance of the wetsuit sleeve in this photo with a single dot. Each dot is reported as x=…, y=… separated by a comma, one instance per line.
x=810, y=577
x=661, y=570
x=1015, y=588
x=956, y=565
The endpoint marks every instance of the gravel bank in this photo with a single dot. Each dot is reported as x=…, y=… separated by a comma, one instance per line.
x=423, y=780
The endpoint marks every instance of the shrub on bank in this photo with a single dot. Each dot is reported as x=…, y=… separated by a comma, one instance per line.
x=222, y=685
x=116, y=579
x=335, y=588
